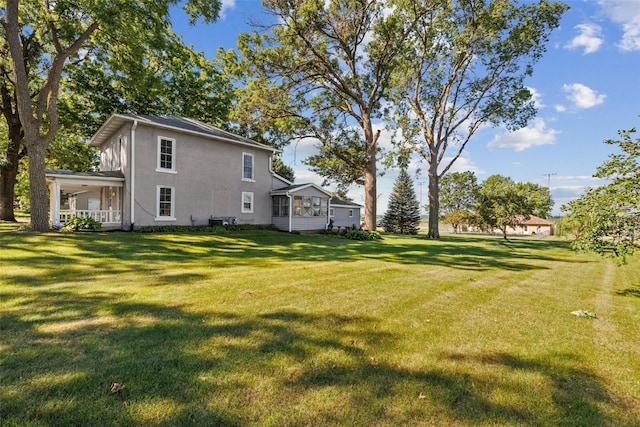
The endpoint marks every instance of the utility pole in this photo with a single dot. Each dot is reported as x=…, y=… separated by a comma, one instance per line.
x=549, y=175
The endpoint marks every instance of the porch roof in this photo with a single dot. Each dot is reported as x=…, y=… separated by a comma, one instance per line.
x=79, y=181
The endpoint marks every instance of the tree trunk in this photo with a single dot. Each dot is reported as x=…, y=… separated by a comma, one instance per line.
x=37, y=184
x=370, y=189
x=434, y=202
x=9, y=172
x=8, y=175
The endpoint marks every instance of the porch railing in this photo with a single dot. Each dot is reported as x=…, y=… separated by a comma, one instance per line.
x=104, y=217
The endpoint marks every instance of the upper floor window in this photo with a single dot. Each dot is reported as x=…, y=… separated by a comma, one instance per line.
x=166, y=154
x=247, y=167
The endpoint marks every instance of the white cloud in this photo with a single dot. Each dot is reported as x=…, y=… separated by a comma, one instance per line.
x=583, y=96
x=560, y=108
x=536, y=97
x=463, y=164
x=525, y=138
x=386, y=135
x=626, y=13
x=589, y=39
x=225, y=6
x=565, y=188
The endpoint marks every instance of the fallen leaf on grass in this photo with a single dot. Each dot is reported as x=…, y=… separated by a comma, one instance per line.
x=116, y=387
x=584, y=313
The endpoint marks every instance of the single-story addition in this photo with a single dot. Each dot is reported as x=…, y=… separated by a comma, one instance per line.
x=179, y=171
x=344, y=214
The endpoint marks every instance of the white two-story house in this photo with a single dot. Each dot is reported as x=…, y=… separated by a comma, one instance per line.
x=178, y=171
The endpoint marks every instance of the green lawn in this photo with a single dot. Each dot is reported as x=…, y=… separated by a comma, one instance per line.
x=273, y=329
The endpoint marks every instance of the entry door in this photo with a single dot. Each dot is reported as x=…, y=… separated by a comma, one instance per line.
x=94, y=204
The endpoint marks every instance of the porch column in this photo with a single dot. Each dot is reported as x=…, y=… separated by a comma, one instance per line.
x=54, y=203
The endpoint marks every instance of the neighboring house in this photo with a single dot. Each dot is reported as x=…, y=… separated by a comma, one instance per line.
x=344, y=214
x=178, y=171
x=532, y=226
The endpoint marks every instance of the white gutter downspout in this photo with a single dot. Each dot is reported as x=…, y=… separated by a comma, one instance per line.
x=133, y=172
x=326, y=227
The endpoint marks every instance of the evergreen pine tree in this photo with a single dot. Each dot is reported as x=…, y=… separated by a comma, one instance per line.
x=403, y=213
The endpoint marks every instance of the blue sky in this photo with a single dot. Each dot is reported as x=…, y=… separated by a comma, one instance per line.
x=586, y=87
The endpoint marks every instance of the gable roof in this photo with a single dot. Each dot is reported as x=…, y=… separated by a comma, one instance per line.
x=178, y=124
x=285, y=191
x=335, y=202
x=534, y=220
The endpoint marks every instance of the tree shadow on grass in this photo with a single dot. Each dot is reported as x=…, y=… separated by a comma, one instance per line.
x=577, y=394
x=83, y=256
x=630, y=292
x=62, y=351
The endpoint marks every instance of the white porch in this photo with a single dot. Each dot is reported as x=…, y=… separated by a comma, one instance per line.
x=105, y=217
x=96, y=195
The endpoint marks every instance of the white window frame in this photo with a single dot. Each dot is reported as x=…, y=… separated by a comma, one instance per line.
x=171, y=217
x=253, y=174
x=280, y=206
x=331, y=212
x=159, y=168
x=251, y=199
x=350, y=213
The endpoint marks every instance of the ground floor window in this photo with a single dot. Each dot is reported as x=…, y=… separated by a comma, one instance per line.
x=280, y=206
x=309, y=206
x=247, y=202
x=166, y=203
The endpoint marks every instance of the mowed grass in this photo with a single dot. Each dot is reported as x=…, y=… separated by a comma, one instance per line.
x=273, y=329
